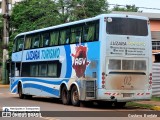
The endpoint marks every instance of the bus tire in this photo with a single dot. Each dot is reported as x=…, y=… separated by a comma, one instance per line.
x=20, y=92
x=119, y=104
x=65, y=96
x=75, y=96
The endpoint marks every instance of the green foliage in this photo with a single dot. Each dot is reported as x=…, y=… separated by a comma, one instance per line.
x=156, y=98
x=95, y=7
x=34, y=14
x=127, y=8
x=31, y=15
x=134, y=104
x=72, y=10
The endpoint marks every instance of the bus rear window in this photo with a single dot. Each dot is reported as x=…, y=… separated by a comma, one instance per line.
x=127, y=26
x=115, y=64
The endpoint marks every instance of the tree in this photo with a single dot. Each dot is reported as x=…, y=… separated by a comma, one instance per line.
x=1, y=38
x=127, y=8
x=34, y=14
x=71, y=10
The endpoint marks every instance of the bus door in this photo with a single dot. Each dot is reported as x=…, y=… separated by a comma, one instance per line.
x=15, y=72
x=12, y=75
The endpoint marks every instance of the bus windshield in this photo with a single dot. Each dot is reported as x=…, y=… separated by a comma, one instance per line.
x=127, y=26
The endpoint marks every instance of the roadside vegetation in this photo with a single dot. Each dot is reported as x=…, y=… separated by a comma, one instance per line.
x=156, y=99
x=143, y=106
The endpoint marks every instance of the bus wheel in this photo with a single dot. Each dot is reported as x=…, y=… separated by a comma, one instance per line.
x=119, y=104
x=75, y=96
x=21, y=95
x=65, y=96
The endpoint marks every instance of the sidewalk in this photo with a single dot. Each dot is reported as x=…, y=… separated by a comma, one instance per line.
x=3, y=86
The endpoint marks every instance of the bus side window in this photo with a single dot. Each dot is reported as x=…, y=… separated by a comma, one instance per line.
x=33, y=70
x=42, y=69
x=35, y=41
x=88, y=33
x=27, y=43
x=64, y=36
x=17, y=69
x=52, y=69
x=76, y=33
x=14, y=45
x=97, y=32
x=54, y=36
x=20, y=42
x=45, y=40
x=67, y=36
x=26, y=70
x=12, y=69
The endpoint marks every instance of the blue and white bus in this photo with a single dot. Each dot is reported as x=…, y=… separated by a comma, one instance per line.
x=106, y=59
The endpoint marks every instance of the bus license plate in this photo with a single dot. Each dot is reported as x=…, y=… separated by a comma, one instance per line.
x=127, y=94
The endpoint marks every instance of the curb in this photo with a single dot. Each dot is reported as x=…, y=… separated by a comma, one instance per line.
x=157, y=108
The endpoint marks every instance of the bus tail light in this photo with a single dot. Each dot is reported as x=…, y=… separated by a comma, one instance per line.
x=150, y=78
x=150, y=81
x=103, y=80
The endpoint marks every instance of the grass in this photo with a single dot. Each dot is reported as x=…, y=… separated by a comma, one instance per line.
x=145, y=106
x=155, y=98
x=134, y=104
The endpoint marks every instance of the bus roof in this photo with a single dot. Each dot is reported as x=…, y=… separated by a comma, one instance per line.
x=80, y=21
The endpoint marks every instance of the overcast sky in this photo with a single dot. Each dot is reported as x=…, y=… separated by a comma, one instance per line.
x=139, y=3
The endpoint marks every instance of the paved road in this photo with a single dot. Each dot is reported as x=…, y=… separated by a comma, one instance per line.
x=47, y=104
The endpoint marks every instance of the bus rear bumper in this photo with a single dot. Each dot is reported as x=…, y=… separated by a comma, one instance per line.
x=124, y=96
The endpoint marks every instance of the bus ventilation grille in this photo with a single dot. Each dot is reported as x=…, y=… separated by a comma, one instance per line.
x=90, y=89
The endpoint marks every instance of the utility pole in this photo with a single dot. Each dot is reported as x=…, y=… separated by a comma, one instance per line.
x=5, y=14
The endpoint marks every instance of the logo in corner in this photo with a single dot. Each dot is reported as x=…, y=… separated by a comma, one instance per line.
x=80, y=60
